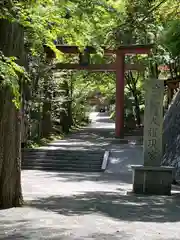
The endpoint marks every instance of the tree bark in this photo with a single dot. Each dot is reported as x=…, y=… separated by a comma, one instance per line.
x=11, y=43
x=66, y=112
x=46, y=115
x=137, y=109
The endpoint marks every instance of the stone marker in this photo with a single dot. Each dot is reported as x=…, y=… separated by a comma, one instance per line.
x=153, y=123
x=151, y=177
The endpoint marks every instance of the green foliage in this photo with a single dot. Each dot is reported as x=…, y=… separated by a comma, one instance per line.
x=91, y=22
x=168, y=11
x=171, y=37
x=10, y=73
x=36, y=142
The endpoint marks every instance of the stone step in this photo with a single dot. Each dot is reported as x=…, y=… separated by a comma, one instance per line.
x=59, y=158
x=79, y=155
x=88, y=165
x=85, y=151
x=66, y=169
x=62, y=160
x=61, y=163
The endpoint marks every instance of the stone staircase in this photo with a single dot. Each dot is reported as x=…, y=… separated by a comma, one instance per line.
x=62, y=160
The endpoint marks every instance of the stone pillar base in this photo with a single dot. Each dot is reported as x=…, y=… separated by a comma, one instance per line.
x=152, y=180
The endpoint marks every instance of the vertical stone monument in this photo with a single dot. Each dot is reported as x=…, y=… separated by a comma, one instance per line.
x=152, y=178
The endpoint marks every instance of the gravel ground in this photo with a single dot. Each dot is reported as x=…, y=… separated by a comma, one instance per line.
x=75, y=206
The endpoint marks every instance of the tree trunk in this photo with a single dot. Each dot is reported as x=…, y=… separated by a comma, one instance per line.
x=46, y=116
x=136, y=103
x=11, y=43
x=66, y=112
x=26, y=96
x=70, y=93
x=137, y=110
x=70, y=117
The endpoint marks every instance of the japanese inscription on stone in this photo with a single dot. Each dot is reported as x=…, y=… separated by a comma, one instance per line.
x=153, y=123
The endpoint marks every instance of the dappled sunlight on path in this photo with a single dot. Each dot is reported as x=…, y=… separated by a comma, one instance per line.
x=91, y=206
x=97, y=135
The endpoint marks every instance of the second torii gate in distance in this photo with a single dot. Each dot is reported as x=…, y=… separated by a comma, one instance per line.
x=118, y=66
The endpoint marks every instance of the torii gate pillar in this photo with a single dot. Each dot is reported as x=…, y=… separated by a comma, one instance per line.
x=120, y=82
x=120, y=75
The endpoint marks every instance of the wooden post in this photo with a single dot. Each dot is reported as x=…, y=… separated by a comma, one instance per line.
x=120, y=69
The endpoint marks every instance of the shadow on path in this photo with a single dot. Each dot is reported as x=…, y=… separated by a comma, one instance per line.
x=114, y=205
x=90, y=177
x=96, y=135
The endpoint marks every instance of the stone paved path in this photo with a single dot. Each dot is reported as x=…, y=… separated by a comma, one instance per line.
x=83, y=206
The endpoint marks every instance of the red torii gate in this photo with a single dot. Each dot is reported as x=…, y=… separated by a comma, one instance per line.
x=118, y=66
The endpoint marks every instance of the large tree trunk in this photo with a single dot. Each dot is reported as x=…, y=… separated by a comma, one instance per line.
x=11, y=43
x=66, y=112
x=171, y=135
